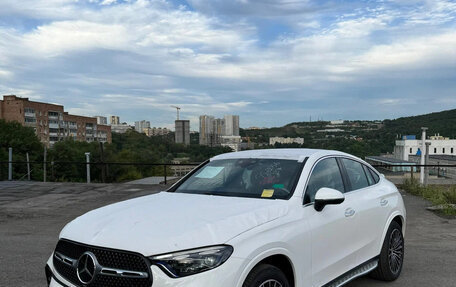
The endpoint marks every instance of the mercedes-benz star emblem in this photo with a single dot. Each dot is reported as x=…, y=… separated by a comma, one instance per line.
x=87, y=267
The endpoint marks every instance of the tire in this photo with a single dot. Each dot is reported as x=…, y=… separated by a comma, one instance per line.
x=266, y=275
x=392, y=255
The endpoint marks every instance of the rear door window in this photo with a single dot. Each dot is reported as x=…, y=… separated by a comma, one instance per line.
x=370, y=178
x=374, y=175
x=356, y=174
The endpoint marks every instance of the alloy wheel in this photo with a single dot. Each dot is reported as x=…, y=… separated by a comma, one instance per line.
x=271, y=283
x=396, y=251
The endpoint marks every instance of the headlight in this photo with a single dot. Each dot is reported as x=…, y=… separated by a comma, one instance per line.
x=185, y=263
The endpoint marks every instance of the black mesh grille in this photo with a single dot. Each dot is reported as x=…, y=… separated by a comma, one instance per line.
x=107, y=258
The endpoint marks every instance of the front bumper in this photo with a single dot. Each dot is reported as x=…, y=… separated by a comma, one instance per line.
x=226, y=275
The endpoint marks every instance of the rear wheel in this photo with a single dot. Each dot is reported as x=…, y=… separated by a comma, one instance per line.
x=392, y=255
x=266, y=275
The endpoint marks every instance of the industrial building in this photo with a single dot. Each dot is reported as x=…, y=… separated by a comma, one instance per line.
x=283, y=140
x=51, y=123
x=409, y=145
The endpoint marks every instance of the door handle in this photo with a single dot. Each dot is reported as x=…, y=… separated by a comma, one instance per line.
x=349, y=212
x=383, y=202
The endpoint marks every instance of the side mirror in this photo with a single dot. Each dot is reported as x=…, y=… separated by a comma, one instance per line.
x=325, y=196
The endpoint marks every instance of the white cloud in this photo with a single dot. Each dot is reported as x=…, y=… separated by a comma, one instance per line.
x=139, y=57
x=60, y=37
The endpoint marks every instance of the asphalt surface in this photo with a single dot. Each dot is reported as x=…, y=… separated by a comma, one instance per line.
x=32, y=215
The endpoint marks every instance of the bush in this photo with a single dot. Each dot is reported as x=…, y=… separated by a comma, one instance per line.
x=450, y=195
x=438, y=195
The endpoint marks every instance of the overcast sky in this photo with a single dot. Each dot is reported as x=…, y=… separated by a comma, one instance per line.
x=271, y=62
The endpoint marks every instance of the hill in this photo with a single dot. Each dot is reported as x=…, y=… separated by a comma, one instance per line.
x=361, y=138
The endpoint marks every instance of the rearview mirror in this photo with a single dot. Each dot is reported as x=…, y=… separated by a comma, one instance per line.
x=325, y=196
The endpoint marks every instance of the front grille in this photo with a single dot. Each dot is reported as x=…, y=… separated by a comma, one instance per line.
x=109, y=258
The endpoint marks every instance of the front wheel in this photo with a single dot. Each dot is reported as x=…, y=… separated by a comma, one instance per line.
x=266, y=275
x=392, y=255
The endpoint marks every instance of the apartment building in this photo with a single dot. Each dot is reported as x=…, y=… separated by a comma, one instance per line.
x=51, y=123
x=216, y=132
x=151, y=132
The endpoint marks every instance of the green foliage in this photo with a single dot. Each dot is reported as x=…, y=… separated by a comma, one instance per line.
x=438, y=195
x=372, y=141
x=131, y=147
x=450, y=195
x=22, y=140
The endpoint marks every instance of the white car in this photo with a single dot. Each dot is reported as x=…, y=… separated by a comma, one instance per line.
x=261, y=218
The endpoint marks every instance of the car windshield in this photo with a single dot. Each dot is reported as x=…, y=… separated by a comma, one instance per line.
x=257, y=178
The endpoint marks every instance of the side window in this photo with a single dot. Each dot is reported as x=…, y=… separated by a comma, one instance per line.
x=355, y=174
x=374, y=175
x=370, y=179
x=325, y=174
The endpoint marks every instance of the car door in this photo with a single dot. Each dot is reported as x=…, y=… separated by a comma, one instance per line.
x=333, y=228
x=373, y=208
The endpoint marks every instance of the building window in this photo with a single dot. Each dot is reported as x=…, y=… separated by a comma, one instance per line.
x=435, y=150
x=29, y=110
x=411, y=150
x=452, y=150
x=443, y=150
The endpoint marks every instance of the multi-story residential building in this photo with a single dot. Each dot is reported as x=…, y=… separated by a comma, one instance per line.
x=212, y=130
x=121, y=128
x=282, y=140
x=115, y=120
x=206, y=128
x=409, y=145
x=51, y=123
x=182, y=131
x=231, y=125
x=151, y=132
x=101, y=120
x=141, y=125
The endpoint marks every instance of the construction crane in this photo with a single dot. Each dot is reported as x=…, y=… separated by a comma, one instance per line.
x=177, y=110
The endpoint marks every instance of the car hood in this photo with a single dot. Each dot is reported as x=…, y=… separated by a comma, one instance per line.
x=166, y=222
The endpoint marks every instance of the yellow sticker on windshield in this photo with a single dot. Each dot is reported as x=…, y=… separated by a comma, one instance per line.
x=267, y=193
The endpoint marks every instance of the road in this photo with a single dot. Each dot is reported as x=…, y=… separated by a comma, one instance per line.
x=32, y=214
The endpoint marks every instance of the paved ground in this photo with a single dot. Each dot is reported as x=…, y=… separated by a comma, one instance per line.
x=32, y=214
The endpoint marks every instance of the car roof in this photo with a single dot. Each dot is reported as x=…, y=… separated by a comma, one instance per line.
x=298, y=154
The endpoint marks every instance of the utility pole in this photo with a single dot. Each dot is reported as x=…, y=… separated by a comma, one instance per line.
x=87, y=154
x=423, y=152
x=10, y=163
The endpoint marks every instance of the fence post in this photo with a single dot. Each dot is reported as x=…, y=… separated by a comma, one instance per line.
x=411, y=172
x=103, y=166
x=44, y=164
x=164, y=171
x=52, y=171
x=87, y=154
x=28, y=166
x=10, y=163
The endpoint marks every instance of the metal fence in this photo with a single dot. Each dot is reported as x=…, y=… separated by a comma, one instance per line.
x=111, y=171
x=85, y=171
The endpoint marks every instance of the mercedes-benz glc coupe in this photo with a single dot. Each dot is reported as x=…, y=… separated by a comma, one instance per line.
x=261, y=218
